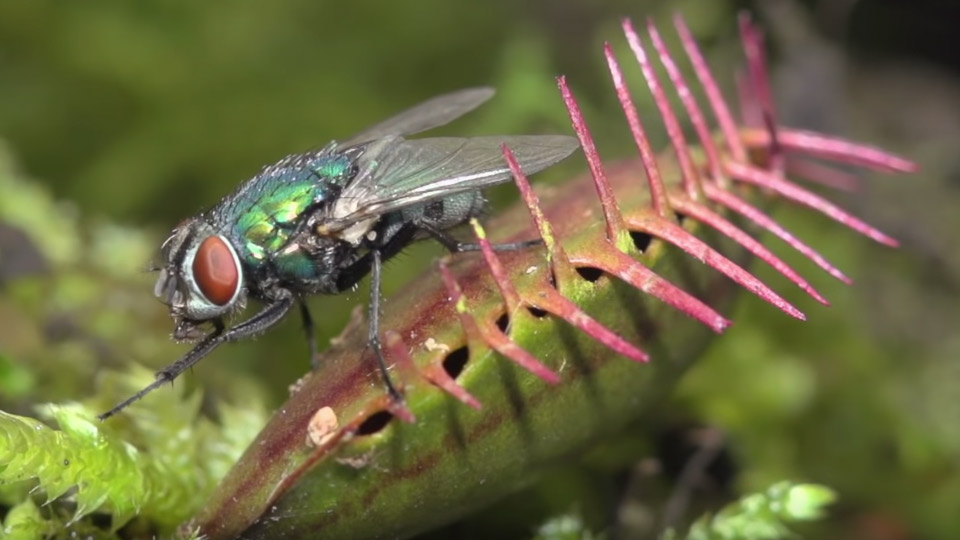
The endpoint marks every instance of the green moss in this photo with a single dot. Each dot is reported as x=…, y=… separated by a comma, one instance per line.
x=762, y=516
x=158, y=462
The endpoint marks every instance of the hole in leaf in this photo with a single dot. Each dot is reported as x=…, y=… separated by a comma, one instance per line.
x=641, y=240
x=454, y=363
x=537, y=312
x=590, y=273
x=375, y=423
x=100, y=520
x=503, y=322
x=680, y=218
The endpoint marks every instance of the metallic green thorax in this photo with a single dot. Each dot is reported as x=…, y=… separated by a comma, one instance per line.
x=262, y=214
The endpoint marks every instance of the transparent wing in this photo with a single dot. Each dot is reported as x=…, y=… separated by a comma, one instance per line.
x=395, y=173
x=432, y=113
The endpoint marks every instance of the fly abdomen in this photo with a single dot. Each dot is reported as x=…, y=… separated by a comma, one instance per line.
x=447, y=212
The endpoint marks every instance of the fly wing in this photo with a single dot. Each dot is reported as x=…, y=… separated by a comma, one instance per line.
x=395, y=173
x=432, y=113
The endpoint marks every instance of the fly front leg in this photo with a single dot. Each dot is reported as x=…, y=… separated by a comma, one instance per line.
x=267, y=317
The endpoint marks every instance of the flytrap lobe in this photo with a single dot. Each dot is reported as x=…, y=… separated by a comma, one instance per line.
x=511, y=361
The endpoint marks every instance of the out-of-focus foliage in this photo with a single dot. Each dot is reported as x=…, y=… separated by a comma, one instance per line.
x=145, y=112
x=101, y=467
x=160, y=461
x=143, y=101
x=862, y=395
x=761, y=516
x=565, y=527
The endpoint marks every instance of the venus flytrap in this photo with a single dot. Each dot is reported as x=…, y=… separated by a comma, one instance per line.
x=513, y=361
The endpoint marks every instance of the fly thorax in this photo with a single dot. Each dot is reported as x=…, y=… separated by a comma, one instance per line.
x=357, y=232
x=332, y=224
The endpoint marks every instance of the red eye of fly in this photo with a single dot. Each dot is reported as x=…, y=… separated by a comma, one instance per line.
x=215, y=271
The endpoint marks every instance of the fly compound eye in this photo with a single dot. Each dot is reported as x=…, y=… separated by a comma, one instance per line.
x=216, y=271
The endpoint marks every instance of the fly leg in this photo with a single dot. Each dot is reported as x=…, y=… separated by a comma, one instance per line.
x=308, y=329
x=373, y=335
x=267, y=317
x=456, y=246
x=372, y=263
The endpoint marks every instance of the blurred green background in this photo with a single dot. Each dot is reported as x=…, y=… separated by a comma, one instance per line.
x=134, y=115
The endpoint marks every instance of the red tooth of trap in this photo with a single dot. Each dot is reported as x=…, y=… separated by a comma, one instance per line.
x=707, y=216
x=559, y=262
x=796, y=193
x=510, y=296
x=492, y=336
x=435, y=373
x=727, y=158
x=753, y=48
x=698, y=211
x=679, y=237
x=732, y=137
x=616, y=231
x=612, y=213
x=754, y=214
x=559, y=305
x=621, y=265
x=658, y=193
x=721, y=111
x=615, y=262
x=751, y=115
x=548, y=298
x=689, y=103
x=670, y=122
x=668, y=230
x=756, y=99
x=833, y=149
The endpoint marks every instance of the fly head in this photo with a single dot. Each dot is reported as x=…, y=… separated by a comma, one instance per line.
x=201, y=278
